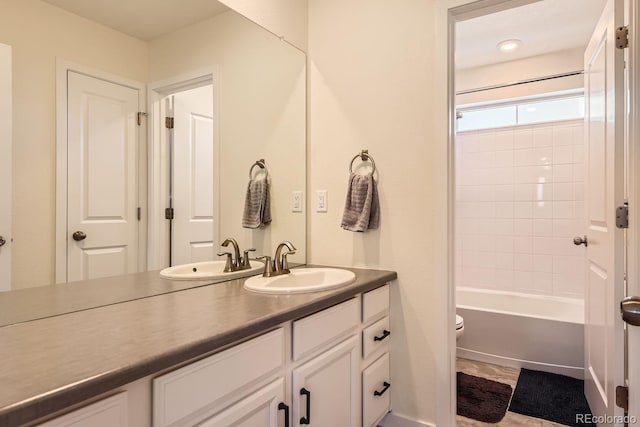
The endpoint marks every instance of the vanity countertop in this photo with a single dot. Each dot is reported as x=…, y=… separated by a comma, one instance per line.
x=55, y=362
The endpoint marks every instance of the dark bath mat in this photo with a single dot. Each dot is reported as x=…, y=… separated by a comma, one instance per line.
x=482, y=399
x=552, y=397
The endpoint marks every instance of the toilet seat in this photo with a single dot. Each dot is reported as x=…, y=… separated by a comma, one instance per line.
x=459, y=322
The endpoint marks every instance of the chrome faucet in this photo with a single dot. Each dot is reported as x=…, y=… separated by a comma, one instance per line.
x=234, y=261
x=279, y=265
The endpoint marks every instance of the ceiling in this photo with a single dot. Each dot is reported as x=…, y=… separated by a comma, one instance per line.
x=143, y=19
x=544, y=26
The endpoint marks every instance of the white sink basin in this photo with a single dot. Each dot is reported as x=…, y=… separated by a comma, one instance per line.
x=208, y=270
x=301, y=280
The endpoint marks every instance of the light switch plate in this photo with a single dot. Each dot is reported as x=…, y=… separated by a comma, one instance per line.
x=322, y=201
x=296, y=201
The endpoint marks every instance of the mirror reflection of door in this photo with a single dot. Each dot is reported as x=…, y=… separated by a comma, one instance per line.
x=192, y=234
x=5, y=167
x=102, y=178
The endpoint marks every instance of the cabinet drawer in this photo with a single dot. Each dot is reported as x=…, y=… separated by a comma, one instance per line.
x=317, y=330
x=375, y=303
x=192, y=389
x=375, y=337
x=375, y=391
x=109, y=412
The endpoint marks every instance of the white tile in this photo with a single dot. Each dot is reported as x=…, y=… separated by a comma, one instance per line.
x=480, y=160
x=504, y=261
x=563, y=191
x=567, y=286
x=543, y=155
x=478, y=259
x=563, y=210
x=578, y=191
x=562, y=135
x=543, y=228
x=523, y=138
x=504, y=279
x=542, y=282
x=524, y=157
x=543, y=263
x=483, y=141
x=504, y=159
x=501, y=176
x=563, y=154
x=523, y=262
x=578, y=153
x=503, y=209
x=502, y=227
x=483, y=193
x=523, y=210
x=565, y=246
x=543, y=245
x=579, y=210
x=465, y=227
x=569, y=265
x=578, y=135
x=522, y=227
x=542, y=210
x=479, y=276
x=567, y=228
x=503, y=244
x=523, y=192
x=502, y=141
x=542, y=137
x=483, y=226
x=522, y=244
x=503, y=192
x=562, y=173
x=543, y=192
x=522, y=280
x=476, y=243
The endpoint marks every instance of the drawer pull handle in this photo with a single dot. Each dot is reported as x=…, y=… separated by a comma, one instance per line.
x=307, y=419
x=385, y=334
x=384, y=389
x=283, y=407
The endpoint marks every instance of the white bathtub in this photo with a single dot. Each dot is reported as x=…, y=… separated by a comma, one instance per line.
x=520, y=330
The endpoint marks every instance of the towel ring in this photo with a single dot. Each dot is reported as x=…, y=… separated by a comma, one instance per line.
x=261, y=164
x=364, y=156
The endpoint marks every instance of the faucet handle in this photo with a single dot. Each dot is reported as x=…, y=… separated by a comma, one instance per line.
x=268, y=266
x=245, y=259
x=285, y=263
x=228, y=266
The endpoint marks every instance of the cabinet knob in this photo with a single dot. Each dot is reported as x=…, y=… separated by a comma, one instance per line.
x=384, y=389
x=385, y=333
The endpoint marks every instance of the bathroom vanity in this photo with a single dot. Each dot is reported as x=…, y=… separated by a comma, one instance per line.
x=209, y=356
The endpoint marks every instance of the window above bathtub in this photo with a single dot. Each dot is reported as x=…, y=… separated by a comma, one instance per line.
x=567, y=105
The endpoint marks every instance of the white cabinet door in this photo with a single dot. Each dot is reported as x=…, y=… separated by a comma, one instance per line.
x=102, y=178
x=5, y=167
x=109, y=412
x=260, y=409
x=326, y=389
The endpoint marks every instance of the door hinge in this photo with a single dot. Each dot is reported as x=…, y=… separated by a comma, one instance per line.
x=168, y=122
x=622, y=216
x=622, y=37
x=622, y=397
x=168, y=213
x=139, y=214
x=141, y=114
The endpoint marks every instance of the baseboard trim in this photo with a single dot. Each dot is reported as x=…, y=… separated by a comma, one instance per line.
x=570, y=371
x=395, y=420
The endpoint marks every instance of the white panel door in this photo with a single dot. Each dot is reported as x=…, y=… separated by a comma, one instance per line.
x=5, y=167
x=325, y=389
x=604, y=287
x=193, y=236
x=102, y=178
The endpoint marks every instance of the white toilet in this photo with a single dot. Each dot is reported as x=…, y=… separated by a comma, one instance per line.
x=459, y=326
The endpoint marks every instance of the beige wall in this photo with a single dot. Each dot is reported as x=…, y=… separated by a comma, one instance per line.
x=260, y=91
x=371, y=86
x=286, y=18
x=523, y=69
x=40, y=33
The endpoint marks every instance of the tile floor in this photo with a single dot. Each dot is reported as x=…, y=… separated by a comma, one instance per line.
x=503, y=375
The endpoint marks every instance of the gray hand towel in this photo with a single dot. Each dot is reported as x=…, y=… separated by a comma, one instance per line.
x=257, y=204
x=362, y=208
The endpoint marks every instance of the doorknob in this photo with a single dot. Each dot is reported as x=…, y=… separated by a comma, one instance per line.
x=2, y=241
x=630, y=310
x=578, y=240
x=79, y=235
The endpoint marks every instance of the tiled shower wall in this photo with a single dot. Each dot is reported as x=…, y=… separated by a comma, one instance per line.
x=519, y=203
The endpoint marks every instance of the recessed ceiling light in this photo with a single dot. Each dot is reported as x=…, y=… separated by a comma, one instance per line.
x=509, y=45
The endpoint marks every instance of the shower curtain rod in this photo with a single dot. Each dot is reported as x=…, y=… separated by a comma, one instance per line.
x=521, y=82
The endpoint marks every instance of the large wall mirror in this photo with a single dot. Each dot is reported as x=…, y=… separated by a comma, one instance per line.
x=236, y=93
